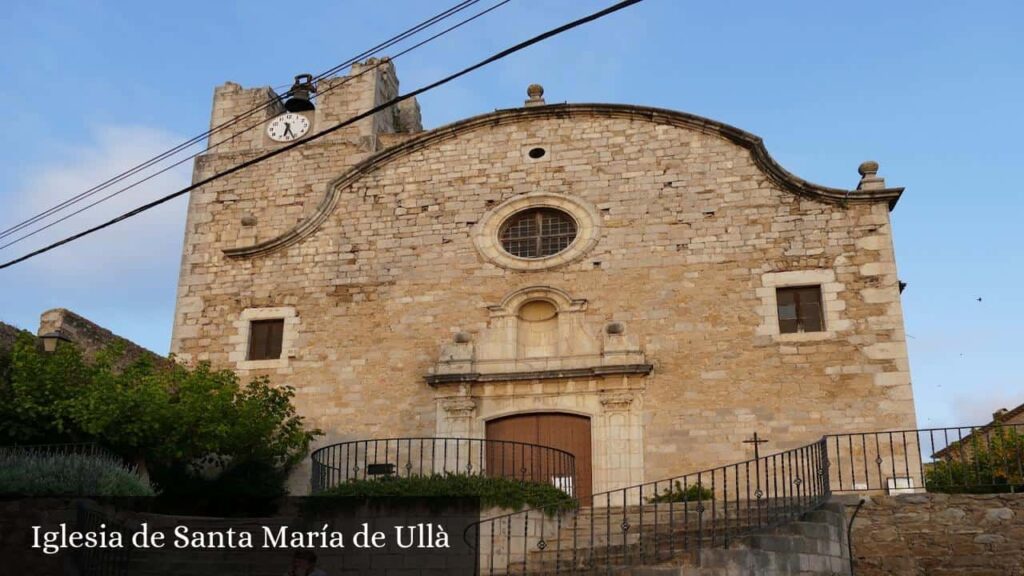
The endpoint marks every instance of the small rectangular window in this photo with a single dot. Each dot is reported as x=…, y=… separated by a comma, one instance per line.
x=265, y=338
x=800, y=309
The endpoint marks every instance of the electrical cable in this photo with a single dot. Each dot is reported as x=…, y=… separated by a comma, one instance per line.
x=313, y=137
x=228, y=123
x=258, y=123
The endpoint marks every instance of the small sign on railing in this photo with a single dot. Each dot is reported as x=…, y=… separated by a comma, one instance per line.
x=563, y=483
x=387, y=469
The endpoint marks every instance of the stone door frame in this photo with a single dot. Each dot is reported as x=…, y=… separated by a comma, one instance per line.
x=616, y=419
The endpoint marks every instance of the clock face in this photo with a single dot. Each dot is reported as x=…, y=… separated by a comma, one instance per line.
x=288, y=127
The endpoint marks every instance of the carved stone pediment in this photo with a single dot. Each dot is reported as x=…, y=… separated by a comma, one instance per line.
x=539, y=332
x=458, y=407
x=617, y=401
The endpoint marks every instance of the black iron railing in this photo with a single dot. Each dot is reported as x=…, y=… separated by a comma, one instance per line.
x=97, y=561
x=656, y=522
x=674, y=519
x=962, y=459
x=404, y=457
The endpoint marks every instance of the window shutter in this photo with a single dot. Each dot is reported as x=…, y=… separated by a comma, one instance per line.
x=265, y=337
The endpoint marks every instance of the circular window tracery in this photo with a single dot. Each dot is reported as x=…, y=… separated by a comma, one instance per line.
x=572, y=233
x=537, y=233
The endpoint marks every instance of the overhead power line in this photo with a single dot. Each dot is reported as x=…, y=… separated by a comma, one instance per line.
x=258, y=123
x=288, y=147
x=221, y=127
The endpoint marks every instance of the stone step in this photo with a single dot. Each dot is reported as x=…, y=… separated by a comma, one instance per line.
x=708, y=505
x=753, y=561
x=582, y=531
x=810, y=545
x=810, y=529
x=613, y=522
x=661, y=533
x=794, y=544
x=616, y=554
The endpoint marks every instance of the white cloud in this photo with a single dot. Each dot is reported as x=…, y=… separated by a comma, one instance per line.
x=122, y=277
x=132, y=245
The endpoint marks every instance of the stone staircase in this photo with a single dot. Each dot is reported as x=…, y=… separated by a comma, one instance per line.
x=668, y=541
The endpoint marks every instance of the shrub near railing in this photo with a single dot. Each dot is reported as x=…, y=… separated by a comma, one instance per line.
x=54, y=473
x=972, y=459
x=985, y=463
x=678, y=494
x=361, y=460
x=492, y=492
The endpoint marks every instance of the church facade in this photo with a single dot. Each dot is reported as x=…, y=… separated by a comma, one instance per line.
x=642, y=287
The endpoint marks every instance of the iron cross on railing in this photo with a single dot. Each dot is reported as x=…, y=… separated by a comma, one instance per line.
x=756, y=441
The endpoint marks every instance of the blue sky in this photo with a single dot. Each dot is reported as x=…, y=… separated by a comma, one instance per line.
x=932, y=91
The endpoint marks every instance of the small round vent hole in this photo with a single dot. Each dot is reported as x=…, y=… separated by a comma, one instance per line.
x=537, y=153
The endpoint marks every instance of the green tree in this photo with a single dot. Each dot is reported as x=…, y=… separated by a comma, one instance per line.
x=988, y=461
x=37, y=391
x=194, y=429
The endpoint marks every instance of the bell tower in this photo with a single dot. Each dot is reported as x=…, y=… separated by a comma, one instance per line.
x=263, y=201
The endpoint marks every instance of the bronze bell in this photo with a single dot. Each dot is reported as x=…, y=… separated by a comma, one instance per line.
x=300, y=94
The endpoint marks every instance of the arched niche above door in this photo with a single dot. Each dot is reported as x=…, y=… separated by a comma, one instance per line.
x=539, y=332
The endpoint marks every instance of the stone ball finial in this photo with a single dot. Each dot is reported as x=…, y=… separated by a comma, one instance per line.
x=868, y=168
x=535, y=91
x=463, y=337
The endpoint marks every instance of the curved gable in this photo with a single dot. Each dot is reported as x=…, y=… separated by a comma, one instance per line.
x=772, y=170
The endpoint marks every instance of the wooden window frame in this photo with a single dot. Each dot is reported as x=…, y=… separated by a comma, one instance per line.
x=801, y=320
x=264, y=348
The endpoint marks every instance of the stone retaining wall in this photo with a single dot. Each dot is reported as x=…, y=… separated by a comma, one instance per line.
x=940, y=534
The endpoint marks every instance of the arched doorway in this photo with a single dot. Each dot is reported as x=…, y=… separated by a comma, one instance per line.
x=568, y=432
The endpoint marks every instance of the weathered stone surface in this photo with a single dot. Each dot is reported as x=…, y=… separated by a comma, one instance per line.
x=91, y=338
x=969, y=534
x=998, y=515
x=950, y=516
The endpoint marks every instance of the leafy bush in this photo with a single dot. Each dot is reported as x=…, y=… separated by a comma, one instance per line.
x=676, y=493
x=24, y=472
x=194, y=429
x=246, y=488
x=499, y=492
x=990, y=461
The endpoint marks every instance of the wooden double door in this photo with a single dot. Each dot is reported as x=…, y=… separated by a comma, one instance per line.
x=567, y=432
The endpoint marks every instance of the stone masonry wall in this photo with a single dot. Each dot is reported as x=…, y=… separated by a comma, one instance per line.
x=694, y=237
x=91, y=338
x=940, y=534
